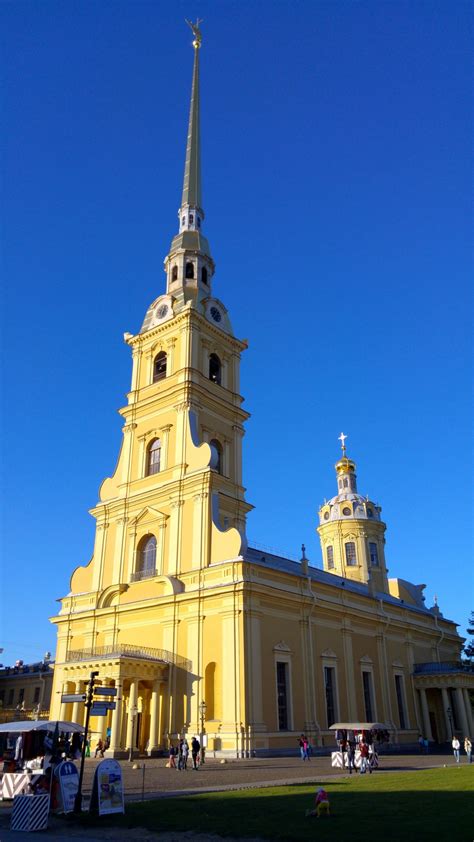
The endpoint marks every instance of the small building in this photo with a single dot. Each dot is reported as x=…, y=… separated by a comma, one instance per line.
x=25, y=689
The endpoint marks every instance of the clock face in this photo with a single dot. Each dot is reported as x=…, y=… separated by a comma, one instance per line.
x=162, y=311
x=215, y=314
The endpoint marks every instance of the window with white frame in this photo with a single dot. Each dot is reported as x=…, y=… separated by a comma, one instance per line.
x=283, y=700
x=330, y=693
x=330, y=556
x=351, y=555
x=368, y=695
x=374, y=555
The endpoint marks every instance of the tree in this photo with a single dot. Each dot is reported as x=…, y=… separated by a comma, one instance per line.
x=469, y=645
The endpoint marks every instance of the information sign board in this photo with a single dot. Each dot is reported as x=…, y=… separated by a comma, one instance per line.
x=105, y=691
x=107, y=791
x=68, y=785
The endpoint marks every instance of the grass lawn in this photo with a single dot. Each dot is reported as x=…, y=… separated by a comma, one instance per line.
x=408, y=806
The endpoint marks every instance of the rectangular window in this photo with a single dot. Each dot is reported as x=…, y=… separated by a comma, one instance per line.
x=367, y=684
x=21, y=697
x=10, y=697
x=351, y=556
x=330, y=556
x=374, y=556
x=2, y=697
x=330, y=690
x=36, y=696
x=282, y=695
x=400, y=700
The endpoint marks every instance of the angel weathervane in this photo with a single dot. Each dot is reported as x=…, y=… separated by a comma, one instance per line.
x=196, y=32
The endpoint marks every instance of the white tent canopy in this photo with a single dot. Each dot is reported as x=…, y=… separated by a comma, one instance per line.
x=359, y=726
x=40, y=725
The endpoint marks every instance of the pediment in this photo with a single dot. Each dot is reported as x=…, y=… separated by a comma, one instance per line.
x=149, y=515
x=366, y=659
x=281, y=647
x=328, y=653
x=398, y=664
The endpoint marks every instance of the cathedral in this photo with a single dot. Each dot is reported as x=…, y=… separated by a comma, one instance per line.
x=201, y=633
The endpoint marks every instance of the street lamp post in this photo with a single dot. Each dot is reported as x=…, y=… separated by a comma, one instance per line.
x=133, y=714
x=450, y=718
x=202, y=712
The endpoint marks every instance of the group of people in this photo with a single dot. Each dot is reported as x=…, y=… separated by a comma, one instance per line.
x=180, y=753
x=457, y=749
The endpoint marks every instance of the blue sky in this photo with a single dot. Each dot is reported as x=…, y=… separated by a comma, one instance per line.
x=336, y=181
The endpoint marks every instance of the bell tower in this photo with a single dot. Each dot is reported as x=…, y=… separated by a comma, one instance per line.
x=178, y=480
x=352, y=532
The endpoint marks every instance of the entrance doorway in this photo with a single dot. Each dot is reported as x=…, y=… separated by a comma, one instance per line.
x=434, y=727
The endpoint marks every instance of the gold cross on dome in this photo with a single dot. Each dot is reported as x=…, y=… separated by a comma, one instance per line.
x=342, y=439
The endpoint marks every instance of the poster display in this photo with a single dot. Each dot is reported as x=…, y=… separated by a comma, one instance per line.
x=107, y=790
x=68, y=777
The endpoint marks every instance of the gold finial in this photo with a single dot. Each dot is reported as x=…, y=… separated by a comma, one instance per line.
x=342, y=439
x=196, y=32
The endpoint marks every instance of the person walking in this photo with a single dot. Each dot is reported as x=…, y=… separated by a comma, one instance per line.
x=456, y=746
x=351, y=756
x=305, y=749
x=99, y=749
x=195, y=748
x=171, y=756
x=185, y=753
x=421, y=743
x=301, y=745
x=364, y=758
x=468, y=749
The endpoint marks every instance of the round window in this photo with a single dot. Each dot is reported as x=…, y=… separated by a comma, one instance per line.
x=216, y=314
x=326, y=515
x=346, y=511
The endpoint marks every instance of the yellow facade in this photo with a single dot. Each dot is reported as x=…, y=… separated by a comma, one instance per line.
x=175, y=609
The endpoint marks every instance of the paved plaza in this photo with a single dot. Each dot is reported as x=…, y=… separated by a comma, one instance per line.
x=160, y=782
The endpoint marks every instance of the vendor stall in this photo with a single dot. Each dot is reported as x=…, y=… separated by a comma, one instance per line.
x=350, y=736
x=29, y=749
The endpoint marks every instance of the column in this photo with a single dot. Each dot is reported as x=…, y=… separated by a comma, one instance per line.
x=132, y=703
x=154, y=709
x=165, y=432
x=63, y=709
x=467, y=702
x=77, y=706
x=116, y=733
x=426, y=715
x=462, y=712
x=445, y=698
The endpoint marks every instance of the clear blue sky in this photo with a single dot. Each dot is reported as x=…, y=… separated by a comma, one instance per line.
x=336, y=178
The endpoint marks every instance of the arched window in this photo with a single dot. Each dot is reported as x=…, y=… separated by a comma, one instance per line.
x=330, y=556
x=351, y=555
x=159, y=367
x=174, y=273
x=146, y=558
x=190, y=270
x=215, y=368
x=191, y=218
x=216, y=458
x=204, y=275
x=153, y=457
x=346, y=483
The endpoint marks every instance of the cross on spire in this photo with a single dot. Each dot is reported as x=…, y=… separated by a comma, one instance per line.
x=342, y=438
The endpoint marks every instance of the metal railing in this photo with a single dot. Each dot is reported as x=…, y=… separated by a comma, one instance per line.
x=128, y=650
x=138, y=575
x=14, y=715
x=443, y=666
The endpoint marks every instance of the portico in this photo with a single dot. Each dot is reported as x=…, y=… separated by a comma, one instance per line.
x=443, y=691
x=140, y=677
